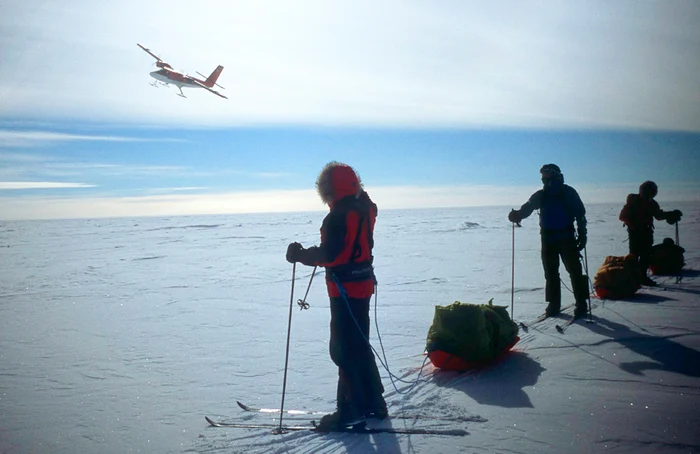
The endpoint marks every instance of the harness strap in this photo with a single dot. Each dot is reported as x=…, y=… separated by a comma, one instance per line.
x=356, y=248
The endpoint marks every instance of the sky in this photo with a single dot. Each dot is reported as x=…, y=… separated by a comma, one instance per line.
x=445, y=103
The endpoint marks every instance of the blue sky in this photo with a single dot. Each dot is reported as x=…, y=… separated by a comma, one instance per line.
x=435, y=104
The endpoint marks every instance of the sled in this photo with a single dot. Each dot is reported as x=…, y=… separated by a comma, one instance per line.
x=450, y=362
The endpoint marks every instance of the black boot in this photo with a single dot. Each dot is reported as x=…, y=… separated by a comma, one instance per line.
x=553, y=309
x=378, y=409
x=581, y=310
x=342, y=418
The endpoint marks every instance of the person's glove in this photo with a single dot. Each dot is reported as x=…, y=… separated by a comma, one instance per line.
x=294, y=252
x=514, y=216
x=581, y=241
x=674, y=216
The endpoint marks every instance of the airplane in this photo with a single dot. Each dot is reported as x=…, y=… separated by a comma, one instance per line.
x=166, y=75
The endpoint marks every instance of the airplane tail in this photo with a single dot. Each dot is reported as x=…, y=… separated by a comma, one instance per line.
x=211, y=80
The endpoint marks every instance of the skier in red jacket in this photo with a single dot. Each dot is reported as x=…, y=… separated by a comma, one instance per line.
x=638, y=214
x=346, y=253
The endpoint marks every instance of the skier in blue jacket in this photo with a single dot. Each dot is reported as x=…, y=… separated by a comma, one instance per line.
x=559, y=206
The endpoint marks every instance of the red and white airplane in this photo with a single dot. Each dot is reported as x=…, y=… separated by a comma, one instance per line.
x=166, y=75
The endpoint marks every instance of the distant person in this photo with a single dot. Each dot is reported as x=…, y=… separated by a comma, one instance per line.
x=559, y=206
x=638, y=215
x=346, y=253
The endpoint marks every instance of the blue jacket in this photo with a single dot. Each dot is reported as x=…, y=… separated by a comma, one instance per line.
x=559, y=205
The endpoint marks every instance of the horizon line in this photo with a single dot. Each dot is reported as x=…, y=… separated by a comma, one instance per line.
x=318, y=210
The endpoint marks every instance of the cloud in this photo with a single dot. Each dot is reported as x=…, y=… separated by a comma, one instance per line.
x=25, y=158
x=16, y=168
x=180, y=189
x=41, y=185
x=14, y=138
x=525, y=64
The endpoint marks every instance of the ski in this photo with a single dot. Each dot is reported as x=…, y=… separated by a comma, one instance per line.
x=308, y=414
x=572, y=320
x=277, y=410
x=360, y=429
x=541, y=318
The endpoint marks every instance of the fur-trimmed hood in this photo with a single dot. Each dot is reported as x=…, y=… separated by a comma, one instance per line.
x=336, y=181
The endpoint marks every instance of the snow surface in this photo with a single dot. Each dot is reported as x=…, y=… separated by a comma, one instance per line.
x=120, y=335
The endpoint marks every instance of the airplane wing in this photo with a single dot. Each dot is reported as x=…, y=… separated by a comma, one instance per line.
x=207, y=88
x=159, y=63
x=148, y=51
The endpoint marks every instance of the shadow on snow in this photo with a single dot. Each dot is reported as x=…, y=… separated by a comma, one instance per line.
x=499, y=385
x=664, y=353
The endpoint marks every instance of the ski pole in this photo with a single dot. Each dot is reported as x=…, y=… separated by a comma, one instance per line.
x=588, y=288
x=286, y=358
x=680, y=270
x=302, y=303
x=512, y=273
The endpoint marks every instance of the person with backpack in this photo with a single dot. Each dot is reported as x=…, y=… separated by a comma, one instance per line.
x=559, y=207
x=346, y=253
x=638, y=215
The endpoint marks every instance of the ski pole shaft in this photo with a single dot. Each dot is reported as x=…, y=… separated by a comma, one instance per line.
x=313, y=273
x=588, y=288
x=512, y=273
x=289, y=332
x=678, y=243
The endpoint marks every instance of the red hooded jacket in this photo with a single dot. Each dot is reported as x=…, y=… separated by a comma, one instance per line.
x=346, y=238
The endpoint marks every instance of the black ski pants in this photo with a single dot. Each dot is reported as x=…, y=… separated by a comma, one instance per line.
x=360, y=387
x=552, y=250
x=641, y=242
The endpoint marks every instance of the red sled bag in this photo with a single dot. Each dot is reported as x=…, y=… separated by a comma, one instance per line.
x=617, y=277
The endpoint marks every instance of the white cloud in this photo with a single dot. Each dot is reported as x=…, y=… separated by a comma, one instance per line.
x=15, y=138
x=41, y=185
x=180, y=189
x=20, y=167
x=512, y=63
